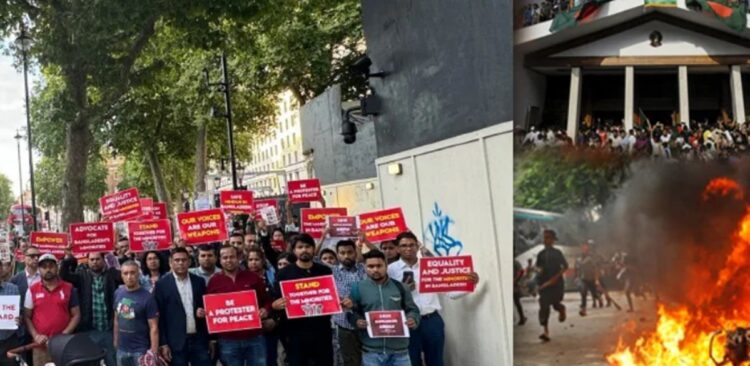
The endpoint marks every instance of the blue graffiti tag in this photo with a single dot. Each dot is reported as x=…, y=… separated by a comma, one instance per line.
x=437, y=233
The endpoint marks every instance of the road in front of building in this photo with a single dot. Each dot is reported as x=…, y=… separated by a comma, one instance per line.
x=583, y=341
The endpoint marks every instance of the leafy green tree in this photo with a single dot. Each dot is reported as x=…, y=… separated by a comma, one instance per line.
x=97, y=46
x=6, y=196
x=49, y=182
x=558, y=180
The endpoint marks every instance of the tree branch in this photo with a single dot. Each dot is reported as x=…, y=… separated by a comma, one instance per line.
x=147, y=32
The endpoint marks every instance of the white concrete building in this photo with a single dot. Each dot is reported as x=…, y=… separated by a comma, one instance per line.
x=674, y=64
x=278, y=157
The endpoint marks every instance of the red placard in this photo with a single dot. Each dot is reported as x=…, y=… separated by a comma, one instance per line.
x=200, y=227
x=147, y=206
x=121, y=206
x=19, y=255
x=387, y=324
x=445, y=274
x=259, y=204
x=232, y=311
x=160, y=211
x=278, y=245
x=382, y=225
x=149, y=235
x=54, y=243
x=236, y=202
x=343, y=226
x=308, y=297
x=313, y=220
x=92, y=237
x=306, y=190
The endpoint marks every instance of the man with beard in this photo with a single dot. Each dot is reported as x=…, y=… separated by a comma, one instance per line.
x=206, y=263
x=244, y=347
x=379, y=292
x=309, y=339
x=96, y=286
x=347, y=273
x=551, y=265
x=50, y=308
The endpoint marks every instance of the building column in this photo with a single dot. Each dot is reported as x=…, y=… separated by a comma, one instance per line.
x=574, y=102
x=684, y=96
x=738, y=97
x=629, y=97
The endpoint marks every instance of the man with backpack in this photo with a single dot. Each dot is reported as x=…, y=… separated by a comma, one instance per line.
x=378, y=292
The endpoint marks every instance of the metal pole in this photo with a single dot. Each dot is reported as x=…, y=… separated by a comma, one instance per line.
x=228, y=102
x=28, y=131
x=20, y=174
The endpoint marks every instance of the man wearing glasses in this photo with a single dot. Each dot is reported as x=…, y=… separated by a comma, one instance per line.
x=429, y=337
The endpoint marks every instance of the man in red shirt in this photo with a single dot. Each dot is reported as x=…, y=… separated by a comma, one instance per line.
x=246, y=347
x=51, y=308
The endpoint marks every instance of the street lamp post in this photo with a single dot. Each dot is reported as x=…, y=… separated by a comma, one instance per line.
x=225, y=87
x=20, y=174
x=24, y=41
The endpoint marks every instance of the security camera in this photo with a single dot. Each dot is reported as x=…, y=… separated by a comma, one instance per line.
x=362, y=65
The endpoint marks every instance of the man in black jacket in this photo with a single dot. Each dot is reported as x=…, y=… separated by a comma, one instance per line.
x=183, y=335
x=96, y=287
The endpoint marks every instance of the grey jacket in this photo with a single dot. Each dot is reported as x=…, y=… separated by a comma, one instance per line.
x=368, y=296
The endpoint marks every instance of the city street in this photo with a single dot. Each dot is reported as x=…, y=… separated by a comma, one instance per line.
x=579, y=340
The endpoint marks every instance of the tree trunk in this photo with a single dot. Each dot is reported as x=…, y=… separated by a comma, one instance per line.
x=161, y=187
x=200, y=159
x=77, y=141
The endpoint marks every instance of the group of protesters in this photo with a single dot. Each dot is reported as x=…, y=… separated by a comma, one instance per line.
x=593, y=273
x=149, y=305
x=722, y=139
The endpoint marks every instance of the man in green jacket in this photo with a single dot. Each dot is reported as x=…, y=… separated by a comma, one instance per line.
x=378, y=292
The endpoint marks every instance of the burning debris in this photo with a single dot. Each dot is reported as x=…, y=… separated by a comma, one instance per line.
x=705, y=307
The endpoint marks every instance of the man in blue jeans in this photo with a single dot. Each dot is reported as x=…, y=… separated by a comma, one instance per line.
x=244, y=347
x=136, y=328
x=429, y=337
x=378, y=292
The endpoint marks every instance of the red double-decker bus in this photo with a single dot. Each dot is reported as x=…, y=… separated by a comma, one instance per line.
x=20, y=217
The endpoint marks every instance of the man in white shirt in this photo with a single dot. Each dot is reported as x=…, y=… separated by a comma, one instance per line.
x=429, y=337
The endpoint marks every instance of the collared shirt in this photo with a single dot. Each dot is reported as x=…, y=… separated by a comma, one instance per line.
x=30, y=280
x=345, y=278
x=8, y=289
x=243, y=281
x=198, y=271
x=185, y=288
x=427, y=303
x=98, y=305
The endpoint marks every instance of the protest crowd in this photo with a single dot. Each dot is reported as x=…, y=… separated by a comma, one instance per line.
x=697, y=141
x=242, y=292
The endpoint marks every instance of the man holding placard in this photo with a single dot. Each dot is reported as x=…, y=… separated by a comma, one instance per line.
x=10, y=307
x=385, y=309
x=309, y=338
x=241, y=347
x=429, y=337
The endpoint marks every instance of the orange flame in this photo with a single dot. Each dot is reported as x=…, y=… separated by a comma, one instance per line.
x=719, y=299
x=723, y=187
